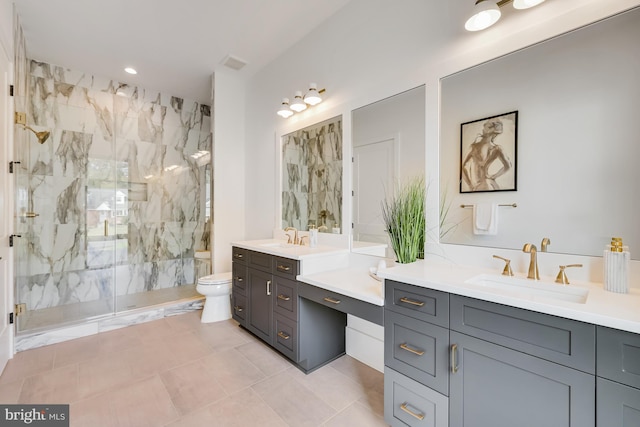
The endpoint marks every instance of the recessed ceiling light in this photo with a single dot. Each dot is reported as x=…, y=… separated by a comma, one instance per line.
x=131, y=70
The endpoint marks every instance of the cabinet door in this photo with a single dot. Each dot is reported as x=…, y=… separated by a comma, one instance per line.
x=498, y=387
x=260, y=316
x=618, y=405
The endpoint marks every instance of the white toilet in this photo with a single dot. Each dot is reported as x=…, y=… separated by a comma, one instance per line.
x=217, y=290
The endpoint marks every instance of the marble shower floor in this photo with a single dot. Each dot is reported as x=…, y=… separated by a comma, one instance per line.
x=177, y=371
x=72, y=313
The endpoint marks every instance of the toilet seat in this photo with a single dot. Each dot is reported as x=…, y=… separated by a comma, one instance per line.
x=215, y=279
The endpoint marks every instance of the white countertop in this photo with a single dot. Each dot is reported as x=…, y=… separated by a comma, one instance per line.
x=282, y=249
x=619, y=311
x=352, y=282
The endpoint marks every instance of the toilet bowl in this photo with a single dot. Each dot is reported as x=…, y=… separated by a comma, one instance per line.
x=217, y=290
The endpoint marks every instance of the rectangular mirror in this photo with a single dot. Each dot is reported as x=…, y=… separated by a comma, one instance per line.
x=312, y=177
x=578, y=98
x=388, y=147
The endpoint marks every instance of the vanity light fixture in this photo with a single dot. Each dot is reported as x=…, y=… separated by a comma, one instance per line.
x=312, y=97
x=298, y=104
x=526, y=4
x=284, y=110
x=487, y=12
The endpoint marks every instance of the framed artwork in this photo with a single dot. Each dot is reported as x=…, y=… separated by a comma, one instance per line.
x=488, y=154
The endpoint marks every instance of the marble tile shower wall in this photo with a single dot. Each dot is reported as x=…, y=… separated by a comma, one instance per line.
x=133, y=157
x=312, y=176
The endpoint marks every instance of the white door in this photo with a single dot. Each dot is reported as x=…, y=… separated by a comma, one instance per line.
x=373, y=178
x=6, y=294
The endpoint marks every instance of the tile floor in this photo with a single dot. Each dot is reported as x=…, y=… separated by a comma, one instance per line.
x=179, y=372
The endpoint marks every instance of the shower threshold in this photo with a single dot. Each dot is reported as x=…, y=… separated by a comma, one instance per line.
x=58, y=324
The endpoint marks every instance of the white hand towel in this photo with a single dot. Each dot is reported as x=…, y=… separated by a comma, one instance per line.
x=485, y=219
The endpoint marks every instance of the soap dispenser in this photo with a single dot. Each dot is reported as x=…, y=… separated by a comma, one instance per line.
x=616, y=266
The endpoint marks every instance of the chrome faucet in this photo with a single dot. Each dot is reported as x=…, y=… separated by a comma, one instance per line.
x=533, y=263
x=295, y=235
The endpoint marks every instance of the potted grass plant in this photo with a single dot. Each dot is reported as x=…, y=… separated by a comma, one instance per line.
x=404, y=217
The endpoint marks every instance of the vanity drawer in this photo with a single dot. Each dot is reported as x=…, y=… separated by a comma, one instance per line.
x=239, y=308
x=285, y=267
x=417, y=349
x=409, y=403
x=260, y=260
x=617, y=405
x=567, y=342
x=239, y=254
x=421, y=303
x=285, y=339
x=618, y=356
x=286, y=297
x=239, y=273
x=364, y=310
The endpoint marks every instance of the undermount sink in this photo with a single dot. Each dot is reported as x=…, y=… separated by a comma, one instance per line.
x=531, y=289
x=281, y=245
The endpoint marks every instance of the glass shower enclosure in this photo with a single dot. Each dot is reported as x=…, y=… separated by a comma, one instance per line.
x=112, y=207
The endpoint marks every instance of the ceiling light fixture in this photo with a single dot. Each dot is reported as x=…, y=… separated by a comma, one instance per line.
x=131, y=70
x=487, y=12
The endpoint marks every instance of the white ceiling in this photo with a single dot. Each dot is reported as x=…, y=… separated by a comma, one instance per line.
x=174, y=44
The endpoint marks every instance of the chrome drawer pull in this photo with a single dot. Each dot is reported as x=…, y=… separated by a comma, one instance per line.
x=454, y=356
x=283, y=335
x=283, y=297
x=404, y=346
x=331, y=300
x=405, y=408
x=239, y=279
x=268, y=287
x=237, y=308
x=412, y=302
x=284, y=268
x=238, y=255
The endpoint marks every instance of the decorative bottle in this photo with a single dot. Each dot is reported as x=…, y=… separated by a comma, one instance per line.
x=616, y=266
x=313, y=236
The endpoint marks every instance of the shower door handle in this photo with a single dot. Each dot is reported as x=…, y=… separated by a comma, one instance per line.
x=106, y=228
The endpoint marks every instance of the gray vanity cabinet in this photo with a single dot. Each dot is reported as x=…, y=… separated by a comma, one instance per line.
x=618, y=384
x=416, y=356
x=268, y=301
x=453, y=361
x=495, y=386
x=265, y=273
x=239, y=287
x=260, y=316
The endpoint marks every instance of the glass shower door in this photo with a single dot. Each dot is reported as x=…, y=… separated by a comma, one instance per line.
x=65, y=256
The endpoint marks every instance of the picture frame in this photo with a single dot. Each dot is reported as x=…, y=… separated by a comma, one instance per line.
x=488, y=154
